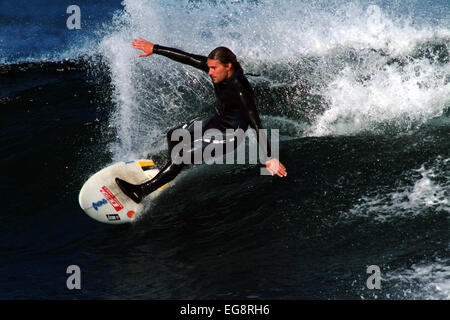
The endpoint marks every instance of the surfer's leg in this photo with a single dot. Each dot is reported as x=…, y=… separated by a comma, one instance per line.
x=165, y=175
x=171, y=143
x=223, y=142
x=138, y=192
x=172, y=169
x=189, y=126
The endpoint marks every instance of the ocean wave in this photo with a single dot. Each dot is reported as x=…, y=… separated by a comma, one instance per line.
x=340, y=68
x=427, y=280
x=426, y=194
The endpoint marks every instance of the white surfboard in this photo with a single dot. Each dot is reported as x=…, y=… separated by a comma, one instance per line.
x=103, y=200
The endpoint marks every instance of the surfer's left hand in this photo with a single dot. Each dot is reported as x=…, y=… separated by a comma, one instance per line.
x=275, y=167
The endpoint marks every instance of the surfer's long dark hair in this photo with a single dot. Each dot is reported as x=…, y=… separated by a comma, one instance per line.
x=225, y=56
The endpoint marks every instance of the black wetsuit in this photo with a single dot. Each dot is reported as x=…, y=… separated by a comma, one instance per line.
x=235, y=108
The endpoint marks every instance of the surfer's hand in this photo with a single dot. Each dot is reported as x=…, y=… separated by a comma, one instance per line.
x=275, y=166
x=143, y=45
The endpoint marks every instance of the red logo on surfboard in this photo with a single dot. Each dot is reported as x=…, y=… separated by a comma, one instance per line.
x=111, y=198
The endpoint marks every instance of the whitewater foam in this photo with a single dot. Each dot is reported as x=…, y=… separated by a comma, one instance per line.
x=410, y=200
x=424, y=280
x=363, y=97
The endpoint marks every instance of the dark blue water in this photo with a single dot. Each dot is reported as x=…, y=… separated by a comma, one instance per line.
x=37, y=30
x=359, y=92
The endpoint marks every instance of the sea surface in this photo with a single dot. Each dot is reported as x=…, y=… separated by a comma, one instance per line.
x=360, y=94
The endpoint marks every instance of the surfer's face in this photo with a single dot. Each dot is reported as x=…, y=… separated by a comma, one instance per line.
x=219, y=72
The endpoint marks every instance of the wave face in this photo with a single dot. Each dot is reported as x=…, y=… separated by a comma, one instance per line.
x=358, y=90
x=335, y=69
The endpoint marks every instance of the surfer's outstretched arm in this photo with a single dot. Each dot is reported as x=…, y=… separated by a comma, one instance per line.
x=196, y=61
x=273, y=165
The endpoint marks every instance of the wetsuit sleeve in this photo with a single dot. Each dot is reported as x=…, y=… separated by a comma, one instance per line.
x=196, y=61
x=251, y=114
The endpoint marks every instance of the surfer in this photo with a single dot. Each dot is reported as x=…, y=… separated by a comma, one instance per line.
x=235, y=109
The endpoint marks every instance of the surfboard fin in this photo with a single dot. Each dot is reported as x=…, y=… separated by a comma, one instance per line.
x=134, y=192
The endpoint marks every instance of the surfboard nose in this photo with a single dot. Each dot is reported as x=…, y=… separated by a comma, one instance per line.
x=110, y=195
